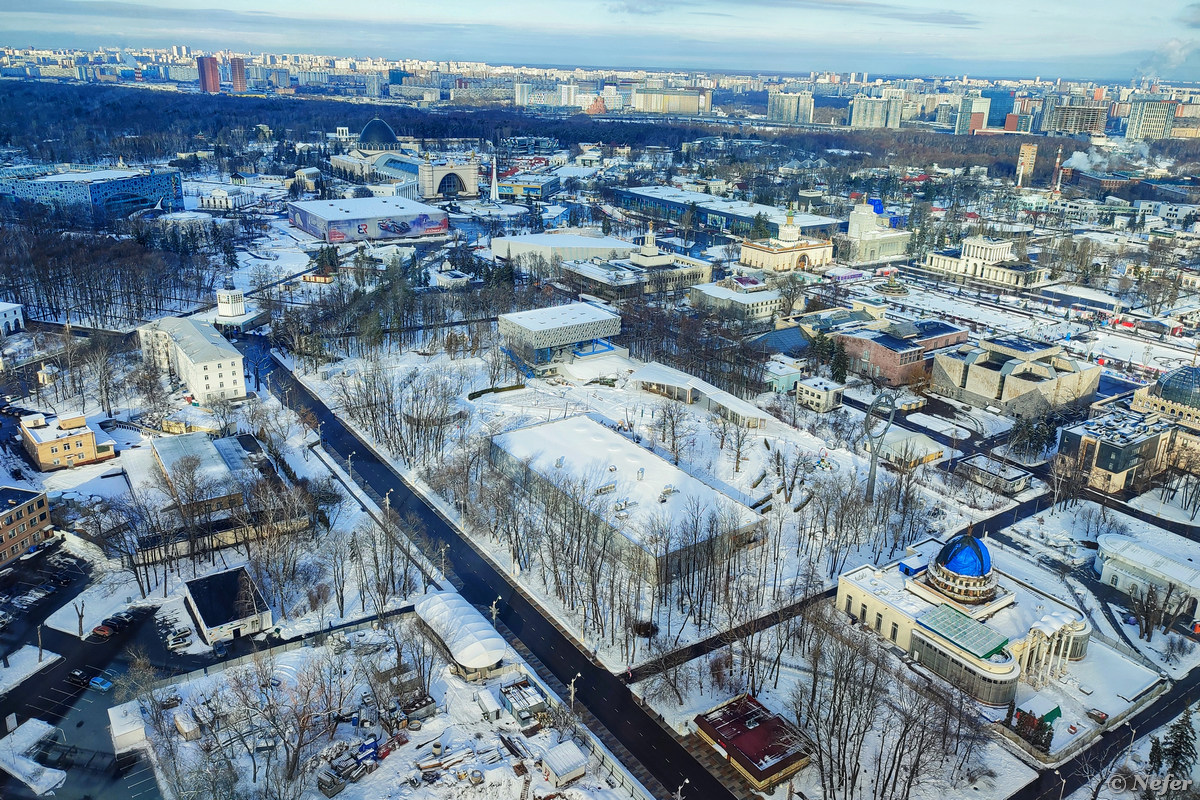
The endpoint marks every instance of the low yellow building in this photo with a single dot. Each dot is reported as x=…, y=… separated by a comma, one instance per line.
x=63, y=442
x=788, y=252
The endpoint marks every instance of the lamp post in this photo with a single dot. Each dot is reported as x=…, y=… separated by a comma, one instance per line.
x=495, y=610
x=1062, y=789
x=387, y=503
x=442, y=550
x=350, y=464
x=572, y=690
x=679, y=792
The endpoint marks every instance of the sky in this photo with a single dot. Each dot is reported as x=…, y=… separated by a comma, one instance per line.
x=1098, y=39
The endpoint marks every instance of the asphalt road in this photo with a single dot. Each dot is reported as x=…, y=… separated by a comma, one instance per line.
x=609, y=700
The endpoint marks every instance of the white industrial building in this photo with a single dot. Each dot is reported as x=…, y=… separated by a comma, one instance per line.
x=193, y=350
x=566, y=245
x=540, y=339
x=1132, y=567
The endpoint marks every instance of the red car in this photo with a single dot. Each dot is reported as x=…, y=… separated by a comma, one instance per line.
x=102, y=631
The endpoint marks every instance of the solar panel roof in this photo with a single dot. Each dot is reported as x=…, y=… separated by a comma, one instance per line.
x=976, y=638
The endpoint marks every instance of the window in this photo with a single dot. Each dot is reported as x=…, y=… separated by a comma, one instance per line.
x=878, y=622
x=849, y=604
x=53, y=449
x=862, y=612
x=1114, y=580
x=895, y=631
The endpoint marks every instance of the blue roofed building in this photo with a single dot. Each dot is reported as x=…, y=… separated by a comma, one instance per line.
x=98, y=194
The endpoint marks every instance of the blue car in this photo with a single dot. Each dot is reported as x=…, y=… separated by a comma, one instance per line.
x=100, y=684
x=220, y=649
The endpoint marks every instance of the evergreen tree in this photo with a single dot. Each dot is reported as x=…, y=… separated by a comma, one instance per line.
x=1156, y=755
x=840, y=363
x=1008, y=715
x=1180, y=749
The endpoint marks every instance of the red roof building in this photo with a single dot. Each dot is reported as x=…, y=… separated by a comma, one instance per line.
x=764, y=747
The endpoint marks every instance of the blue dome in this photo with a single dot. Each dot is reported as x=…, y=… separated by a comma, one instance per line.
x=1180, y=386
x=965, y=555
x=377, y=132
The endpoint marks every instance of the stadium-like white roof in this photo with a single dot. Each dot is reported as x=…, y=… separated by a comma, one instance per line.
x=472, y=642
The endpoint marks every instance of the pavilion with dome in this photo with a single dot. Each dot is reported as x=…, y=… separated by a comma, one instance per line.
x=953, y=611
x=1175, y=396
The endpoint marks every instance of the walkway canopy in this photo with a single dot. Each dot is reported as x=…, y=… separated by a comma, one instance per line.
x=472, y=642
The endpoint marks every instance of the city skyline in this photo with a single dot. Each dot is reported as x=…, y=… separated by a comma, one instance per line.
x=1100, y=41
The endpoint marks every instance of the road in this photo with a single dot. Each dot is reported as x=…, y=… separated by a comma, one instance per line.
x=604, y=694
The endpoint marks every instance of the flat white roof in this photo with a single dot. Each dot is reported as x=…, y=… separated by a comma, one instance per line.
x=655, y=372
x=542, y=319
x=745, y=298
x=742, y=208
x=565, y=758
x=88, y=177
x=210, y=467
x=581, y=449
x=364, y=208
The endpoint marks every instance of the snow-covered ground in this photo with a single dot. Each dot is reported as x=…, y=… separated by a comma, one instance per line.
x=22, y=664
x=468, y=741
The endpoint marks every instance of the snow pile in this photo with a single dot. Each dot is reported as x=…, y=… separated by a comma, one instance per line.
x=15, y=760
x=22, y=664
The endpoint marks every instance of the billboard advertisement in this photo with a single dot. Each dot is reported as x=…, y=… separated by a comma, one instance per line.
x=397, y=225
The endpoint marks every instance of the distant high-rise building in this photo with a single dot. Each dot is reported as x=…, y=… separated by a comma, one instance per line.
x=1025, y=162
x=893, y=107
x=972, y=114
x=237, y=74
x=1150, y=119
x=1085, y=118
x=875, y=112
x=793, y=108
x=521, y=92
x=1000, y=105
x=210, y=75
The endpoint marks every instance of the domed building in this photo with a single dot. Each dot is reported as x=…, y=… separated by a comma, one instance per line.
x=959, y=615
x=377, y=135
x=1175, y=395
x=962, y=569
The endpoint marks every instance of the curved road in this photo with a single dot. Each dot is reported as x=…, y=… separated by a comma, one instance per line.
x=604, y=694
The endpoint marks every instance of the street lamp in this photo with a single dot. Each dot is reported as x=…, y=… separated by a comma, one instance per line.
x=442, y=551
x=572, y=690
x=1063, y=788
x=350, y=464
x=387, y=503
x=679, y=792
x=495, y=610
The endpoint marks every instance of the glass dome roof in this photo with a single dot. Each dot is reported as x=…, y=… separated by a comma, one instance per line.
x=965, y=555
x=377, y=132
x=1180, y=386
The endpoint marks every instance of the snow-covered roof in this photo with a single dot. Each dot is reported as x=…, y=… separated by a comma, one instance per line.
x=719, y=292
x=540, y=319
x=1170, y=569
x=639, y=489
x=654, y=372
x=360, y=208
x=472, y=642
x=565, y=758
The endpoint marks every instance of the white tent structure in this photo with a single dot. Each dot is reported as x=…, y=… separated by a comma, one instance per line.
x=473, y=643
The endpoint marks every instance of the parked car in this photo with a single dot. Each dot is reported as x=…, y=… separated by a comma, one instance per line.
x=5, y=620
x=180, y=641
x=1097, y=715
x=220, y=649
x=114, y=623
x=102, y=631
x=125, y=617
x=77, y=677
x=100, y=684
